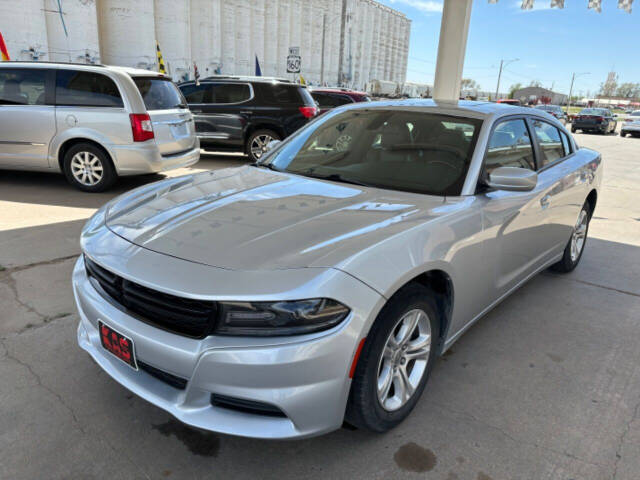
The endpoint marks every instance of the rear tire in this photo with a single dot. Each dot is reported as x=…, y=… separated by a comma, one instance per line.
x=89, y=168
x=574, y=129
x=395, y=365
x=623, y=134
x=257, y=143
x=575, y=247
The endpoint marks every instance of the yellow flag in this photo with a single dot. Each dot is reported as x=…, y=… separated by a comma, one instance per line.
x=302, y=80
x=161, y=67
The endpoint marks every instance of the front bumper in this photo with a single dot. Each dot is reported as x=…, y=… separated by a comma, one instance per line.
x=146, y=158
x=630, y=127
x=306, y=377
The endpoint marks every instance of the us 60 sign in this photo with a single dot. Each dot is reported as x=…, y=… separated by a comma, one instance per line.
x=293, y=63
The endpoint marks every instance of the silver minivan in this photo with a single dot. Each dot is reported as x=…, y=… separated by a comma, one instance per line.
x=92, y=122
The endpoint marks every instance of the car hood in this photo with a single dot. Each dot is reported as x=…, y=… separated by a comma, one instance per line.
x=250, y=218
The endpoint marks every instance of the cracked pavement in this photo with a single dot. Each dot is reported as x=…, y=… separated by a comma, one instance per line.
x=546, y=386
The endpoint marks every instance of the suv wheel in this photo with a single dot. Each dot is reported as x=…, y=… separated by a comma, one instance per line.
x=395, y=362
x=258, y=142
x=88, y=168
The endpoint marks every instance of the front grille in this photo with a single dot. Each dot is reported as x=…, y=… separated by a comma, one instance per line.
x=247, y=406
x=184, y=316
x=172, y=380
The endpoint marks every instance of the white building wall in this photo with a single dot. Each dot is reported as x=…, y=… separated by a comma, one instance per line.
x=24, y=29
x=80, y=43
x=172, y=28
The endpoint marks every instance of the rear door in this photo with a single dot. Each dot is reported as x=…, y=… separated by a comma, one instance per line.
x=27, y=117
x=222, y=112
x=173, y=127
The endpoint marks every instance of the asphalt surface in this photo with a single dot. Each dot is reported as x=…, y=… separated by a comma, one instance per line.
x=546, y=386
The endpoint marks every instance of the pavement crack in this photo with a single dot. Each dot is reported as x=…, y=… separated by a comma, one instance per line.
x=592, y=284
x=623, y=436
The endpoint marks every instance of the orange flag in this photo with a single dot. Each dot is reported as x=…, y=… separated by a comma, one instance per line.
x=4, y=53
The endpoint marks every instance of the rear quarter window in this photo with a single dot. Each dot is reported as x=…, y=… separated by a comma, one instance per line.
x=87, y=89
x=159, y=93
x=287, y=94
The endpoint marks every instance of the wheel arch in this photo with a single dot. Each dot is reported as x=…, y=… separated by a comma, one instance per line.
x=592, y=199
x=69, y=143
x=262, y=126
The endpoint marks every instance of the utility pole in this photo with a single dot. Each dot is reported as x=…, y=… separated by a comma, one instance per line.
x=573, y=77
x=324, y=32
x=502, y=65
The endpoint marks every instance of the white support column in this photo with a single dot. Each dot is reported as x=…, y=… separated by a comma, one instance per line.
x=454, y=30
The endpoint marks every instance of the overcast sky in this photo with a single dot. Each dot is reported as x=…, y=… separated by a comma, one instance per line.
x=551, y=44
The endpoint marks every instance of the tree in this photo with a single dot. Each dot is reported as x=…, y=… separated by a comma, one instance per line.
x=609, y=87
x=628, y=90
x=535, y=83
x=513, y=88
x=469, y=84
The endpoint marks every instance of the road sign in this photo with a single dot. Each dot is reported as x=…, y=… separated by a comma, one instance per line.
x=293, y=63
x=294, y=51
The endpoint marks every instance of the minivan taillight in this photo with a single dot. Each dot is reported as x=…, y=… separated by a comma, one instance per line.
x=309, y=112
x=600, y=119
x=141, y=127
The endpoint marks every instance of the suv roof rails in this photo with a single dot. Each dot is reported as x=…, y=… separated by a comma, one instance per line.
x=247, y=77
x=46, y=62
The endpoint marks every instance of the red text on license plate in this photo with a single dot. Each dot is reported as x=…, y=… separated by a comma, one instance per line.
x=117, y=344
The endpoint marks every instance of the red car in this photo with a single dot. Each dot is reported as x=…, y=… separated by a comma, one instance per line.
x=329, y=98
x=509, y=101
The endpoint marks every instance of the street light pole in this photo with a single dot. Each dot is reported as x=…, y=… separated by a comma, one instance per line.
x=573, y=77
x=503, y=64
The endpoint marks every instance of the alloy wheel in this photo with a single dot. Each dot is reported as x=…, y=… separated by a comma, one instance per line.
x=86, y=168
x=579, y=236
x=259, y=145
x=404, y=360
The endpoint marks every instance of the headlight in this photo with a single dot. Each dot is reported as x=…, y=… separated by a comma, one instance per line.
x=279, y=318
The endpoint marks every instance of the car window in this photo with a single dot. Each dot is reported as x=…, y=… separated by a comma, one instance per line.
x=390, y=149
x=283, y=93
x=566, y=144
x=196, y=93
x=551, y=148
x=230, y=92
x=22, y=86
x=636, y=113
x=329, y=100
x=158, y=93
x=510, y=146
x=86, y=89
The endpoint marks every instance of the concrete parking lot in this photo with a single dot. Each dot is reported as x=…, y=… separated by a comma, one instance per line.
x=547, y=386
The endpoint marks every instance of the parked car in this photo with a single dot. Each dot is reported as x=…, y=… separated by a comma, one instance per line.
x=244, y=114
x=599, y=120
x=275, y=300
x=631, y=124
x=328, y=98
x=92, y=122
x=509, y=101
x=556, y=111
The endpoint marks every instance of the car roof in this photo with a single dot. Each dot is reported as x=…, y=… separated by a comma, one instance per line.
x=244, y=79
x=338, y=91
x=469, y=108
x=83, y=66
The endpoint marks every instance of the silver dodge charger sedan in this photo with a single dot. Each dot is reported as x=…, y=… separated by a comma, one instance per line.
x=280, y=299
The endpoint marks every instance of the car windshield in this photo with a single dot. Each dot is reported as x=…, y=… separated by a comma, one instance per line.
x=636, y=113
x=592, y=111
x=159, y=93
x=393, y=149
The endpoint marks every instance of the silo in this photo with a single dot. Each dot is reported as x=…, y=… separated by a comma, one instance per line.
x=228, y=11
x=173, y=36
x=334, y=16
x=244, y=59
x=270, y=37
x=257, y=33
x=284, y=20
x=23, y=27
x=75, y=39
x=127, y=33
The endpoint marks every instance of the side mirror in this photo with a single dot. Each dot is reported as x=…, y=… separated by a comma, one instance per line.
x=272, y=144
x=615, y=115
x=513, y=179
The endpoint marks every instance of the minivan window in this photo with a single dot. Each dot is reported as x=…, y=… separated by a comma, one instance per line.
x=550, y=143
x=159, y=93
x=22, y=86
x=86, y=89
x=397, y=150
x=230, y=92
x=510, y=146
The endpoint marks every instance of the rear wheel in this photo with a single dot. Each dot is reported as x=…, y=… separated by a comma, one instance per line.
x=574, y=129
x=575, y=247
x=88, y=168
x=623, y=133
x=395, y=362
x=258, y=143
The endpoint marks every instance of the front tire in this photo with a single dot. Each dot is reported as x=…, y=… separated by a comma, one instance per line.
x=574, y=249
x=258, y=142
x=89, y=168
x=574, y=129
x=396, y=360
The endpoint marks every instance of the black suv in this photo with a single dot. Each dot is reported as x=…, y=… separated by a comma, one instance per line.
x=243, y=114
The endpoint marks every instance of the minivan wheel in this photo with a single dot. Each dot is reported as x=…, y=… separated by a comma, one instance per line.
x=395, y=362
x=258, y=142
x=575, y=247
x=88, y=168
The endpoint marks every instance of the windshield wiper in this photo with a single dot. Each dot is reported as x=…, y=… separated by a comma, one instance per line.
x=270, y=166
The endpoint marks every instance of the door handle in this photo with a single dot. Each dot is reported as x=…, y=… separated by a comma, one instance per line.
x=194, y=110
x=544, y=201
x=246, y=112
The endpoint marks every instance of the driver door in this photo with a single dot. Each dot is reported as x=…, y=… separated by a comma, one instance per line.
x=515, y=222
